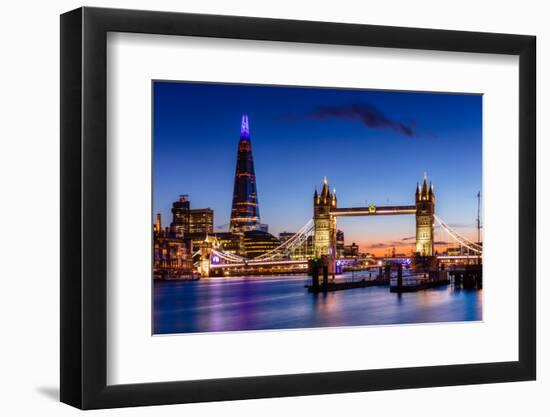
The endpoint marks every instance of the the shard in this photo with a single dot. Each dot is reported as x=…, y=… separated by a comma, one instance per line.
x=245, y=212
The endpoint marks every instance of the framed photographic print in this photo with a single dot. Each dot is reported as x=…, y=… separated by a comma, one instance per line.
x=257, y=208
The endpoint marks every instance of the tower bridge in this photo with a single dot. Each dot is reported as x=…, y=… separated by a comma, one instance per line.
x=326, y=211
x=322, y=228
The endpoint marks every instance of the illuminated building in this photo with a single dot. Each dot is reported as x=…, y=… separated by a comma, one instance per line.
x=227, y=241
x=172, y=257
x=201, y=220
x=180, y=216
x=425, y=210
x=196, y=240
x=459, y=251
x=230, y=242
x=304, y=251
x=324, y=223
x=257, y=243
x=454, y=251
x=173, y=246
x=186, y=220
x=245, y=212
x=339, y=243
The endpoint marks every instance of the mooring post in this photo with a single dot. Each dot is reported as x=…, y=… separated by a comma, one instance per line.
x=315, y=278
x=400, y=276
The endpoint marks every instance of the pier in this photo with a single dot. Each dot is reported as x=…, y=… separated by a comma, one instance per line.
x=337, y=286
x=422, y=281
x=468, y=276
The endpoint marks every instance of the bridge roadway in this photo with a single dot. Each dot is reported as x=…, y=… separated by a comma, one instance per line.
x=372, y=211
x=251, y=263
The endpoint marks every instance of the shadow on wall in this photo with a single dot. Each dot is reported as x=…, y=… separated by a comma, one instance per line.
x=50, y=392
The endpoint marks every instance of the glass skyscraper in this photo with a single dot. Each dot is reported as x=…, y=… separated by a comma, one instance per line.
x=245, y=212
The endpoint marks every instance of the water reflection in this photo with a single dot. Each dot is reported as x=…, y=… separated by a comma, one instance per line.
x=283, y=303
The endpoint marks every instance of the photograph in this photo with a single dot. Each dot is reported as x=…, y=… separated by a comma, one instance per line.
x=259, y=205
x=301, y=207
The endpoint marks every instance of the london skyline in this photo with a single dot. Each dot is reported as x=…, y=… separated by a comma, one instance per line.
x=374, y=146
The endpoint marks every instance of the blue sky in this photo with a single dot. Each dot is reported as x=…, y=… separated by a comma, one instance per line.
x=373, y=146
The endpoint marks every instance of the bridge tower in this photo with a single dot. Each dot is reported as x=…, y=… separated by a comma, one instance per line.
x=425, y=211
x=206, y=253
x=324, y=238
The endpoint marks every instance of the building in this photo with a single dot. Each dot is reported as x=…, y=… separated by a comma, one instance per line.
x=180, y=216
x=201, y=220
x=284, y=236
x=304, y=251
x=257, y=242
x=325, y=224
x=245, y=212
x=172, y=257
x=186, y=220
x=230, y=242
x=425, y=211
x=227, y=241
x=339, y=244
x=459, y=251
x=351, y=251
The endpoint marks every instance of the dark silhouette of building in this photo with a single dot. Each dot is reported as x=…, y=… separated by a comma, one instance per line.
x=186, y=220
x=245, y=212
x=351, y=251
x=284, y=236
x=180, y=216
x=339, y=244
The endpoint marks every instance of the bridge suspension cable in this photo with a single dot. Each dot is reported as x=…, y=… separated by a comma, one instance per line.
x=297, y=240
x=289, y=245
x=475, y=247
x=281, y=251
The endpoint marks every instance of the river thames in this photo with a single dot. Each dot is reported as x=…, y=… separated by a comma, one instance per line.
x=282, y=302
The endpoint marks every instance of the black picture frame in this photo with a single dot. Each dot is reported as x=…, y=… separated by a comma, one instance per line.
x=84, y=207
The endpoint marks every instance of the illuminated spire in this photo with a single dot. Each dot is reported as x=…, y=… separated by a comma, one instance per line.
x=431, y=194
x=245, y=130
x=325, y=191
x=424, y=188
